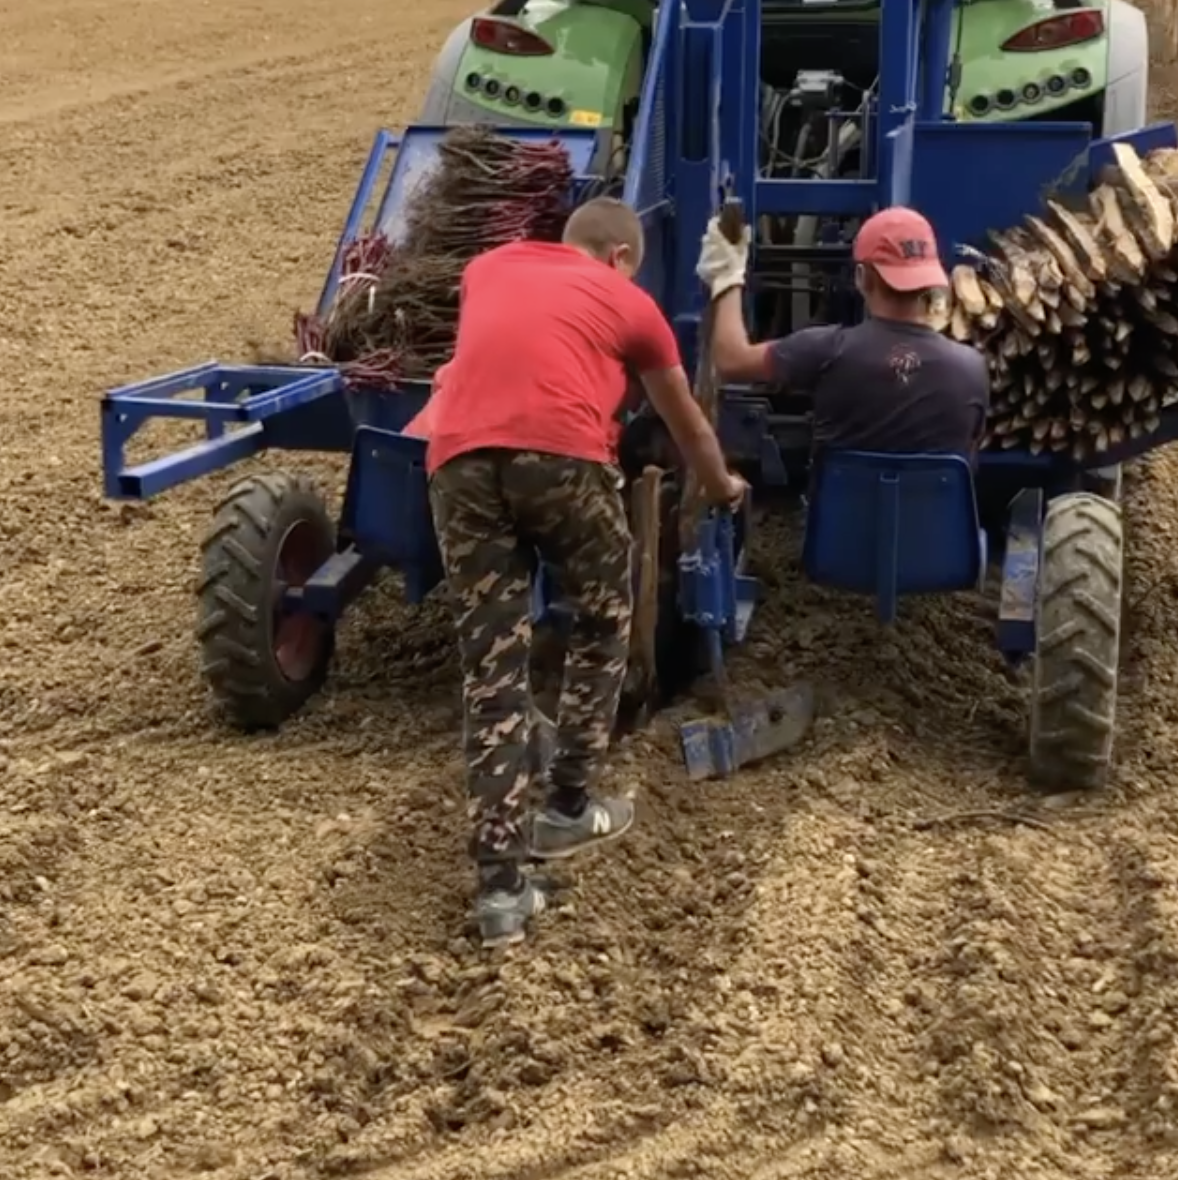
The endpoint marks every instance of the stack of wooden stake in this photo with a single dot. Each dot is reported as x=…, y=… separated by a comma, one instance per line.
x=1077, y=313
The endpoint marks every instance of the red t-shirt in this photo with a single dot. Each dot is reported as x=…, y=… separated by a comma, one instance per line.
x=545, y=337
x=421, y=425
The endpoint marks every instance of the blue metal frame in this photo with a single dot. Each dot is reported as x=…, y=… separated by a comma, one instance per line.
x=1020, y=574
x=255, y=397
x=697, y=129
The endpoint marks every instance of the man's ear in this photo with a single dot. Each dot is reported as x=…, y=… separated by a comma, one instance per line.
x=621, y=257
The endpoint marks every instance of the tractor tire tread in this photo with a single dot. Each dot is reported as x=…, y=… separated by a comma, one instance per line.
x=1074, y=695
x=233, y=623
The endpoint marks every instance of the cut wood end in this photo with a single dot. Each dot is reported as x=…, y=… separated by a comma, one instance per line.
x=1153, y=214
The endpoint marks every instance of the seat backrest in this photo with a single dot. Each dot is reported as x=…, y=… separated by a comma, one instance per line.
x=890, y=525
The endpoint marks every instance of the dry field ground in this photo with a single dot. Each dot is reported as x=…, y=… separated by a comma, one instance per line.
x=243, y=959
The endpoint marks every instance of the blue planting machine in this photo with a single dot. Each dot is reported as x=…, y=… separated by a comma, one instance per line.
x=278, y=572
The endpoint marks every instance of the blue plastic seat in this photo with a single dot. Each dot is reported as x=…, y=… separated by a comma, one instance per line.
x=890, y=525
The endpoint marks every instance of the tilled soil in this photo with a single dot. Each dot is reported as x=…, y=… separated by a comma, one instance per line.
x=246, y=959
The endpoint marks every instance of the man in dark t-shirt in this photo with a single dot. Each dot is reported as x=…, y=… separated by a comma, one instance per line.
x=889, y=384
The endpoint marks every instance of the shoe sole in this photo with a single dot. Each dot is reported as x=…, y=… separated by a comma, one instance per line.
x=495, y=941
x=503, y=931
x=574, y=850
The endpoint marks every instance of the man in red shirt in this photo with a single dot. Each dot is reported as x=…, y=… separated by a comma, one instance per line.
x=522, y=434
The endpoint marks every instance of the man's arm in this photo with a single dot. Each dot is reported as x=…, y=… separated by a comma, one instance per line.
x=721, y=268
x=797, y=360
x=651, y=351
x=671, y=396
x=734, y=357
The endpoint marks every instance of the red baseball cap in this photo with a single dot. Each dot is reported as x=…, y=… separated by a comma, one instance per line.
x=902, y=247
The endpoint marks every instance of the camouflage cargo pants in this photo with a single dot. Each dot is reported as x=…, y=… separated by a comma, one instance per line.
x=493, y=511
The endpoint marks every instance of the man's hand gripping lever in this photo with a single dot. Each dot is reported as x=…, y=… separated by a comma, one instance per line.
x=724, y=250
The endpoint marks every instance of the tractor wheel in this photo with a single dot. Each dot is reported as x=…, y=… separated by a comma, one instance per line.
x=263, y=662
x=1077, y=650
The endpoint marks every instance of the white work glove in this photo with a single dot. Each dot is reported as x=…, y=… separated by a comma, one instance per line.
x=722, y=265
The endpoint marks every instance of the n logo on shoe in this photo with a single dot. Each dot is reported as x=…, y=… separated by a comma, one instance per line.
x=600, y=822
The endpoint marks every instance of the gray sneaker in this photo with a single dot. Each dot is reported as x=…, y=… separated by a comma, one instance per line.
x=503, y=916
x=556, y=836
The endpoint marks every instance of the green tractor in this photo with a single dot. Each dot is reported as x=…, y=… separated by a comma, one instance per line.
x=559, y=63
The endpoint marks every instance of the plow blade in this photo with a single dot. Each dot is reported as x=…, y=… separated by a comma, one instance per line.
x=718, y=747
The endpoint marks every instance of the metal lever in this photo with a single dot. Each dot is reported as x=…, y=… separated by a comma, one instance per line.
x=732, y=220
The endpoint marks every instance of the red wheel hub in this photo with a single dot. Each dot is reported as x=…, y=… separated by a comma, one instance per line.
x=299, y=637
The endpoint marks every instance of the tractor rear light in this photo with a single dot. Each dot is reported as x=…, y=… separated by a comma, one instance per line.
x=555, y=107
x=533, y=101
x=474, y=81
x=1072, y=28
x=1032, y=92
x=1056, y=85
x=501, y=36
x=1081, y=79
x=511, y=95
x=1005, y=100
x=491, y=88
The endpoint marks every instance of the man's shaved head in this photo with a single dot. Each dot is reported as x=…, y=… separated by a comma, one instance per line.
x=610, y=231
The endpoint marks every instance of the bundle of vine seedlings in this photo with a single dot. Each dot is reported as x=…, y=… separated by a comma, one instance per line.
x=1076, y=311
x=396, y=306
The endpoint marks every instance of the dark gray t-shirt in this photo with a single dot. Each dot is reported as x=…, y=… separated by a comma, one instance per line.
x=887, y=386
